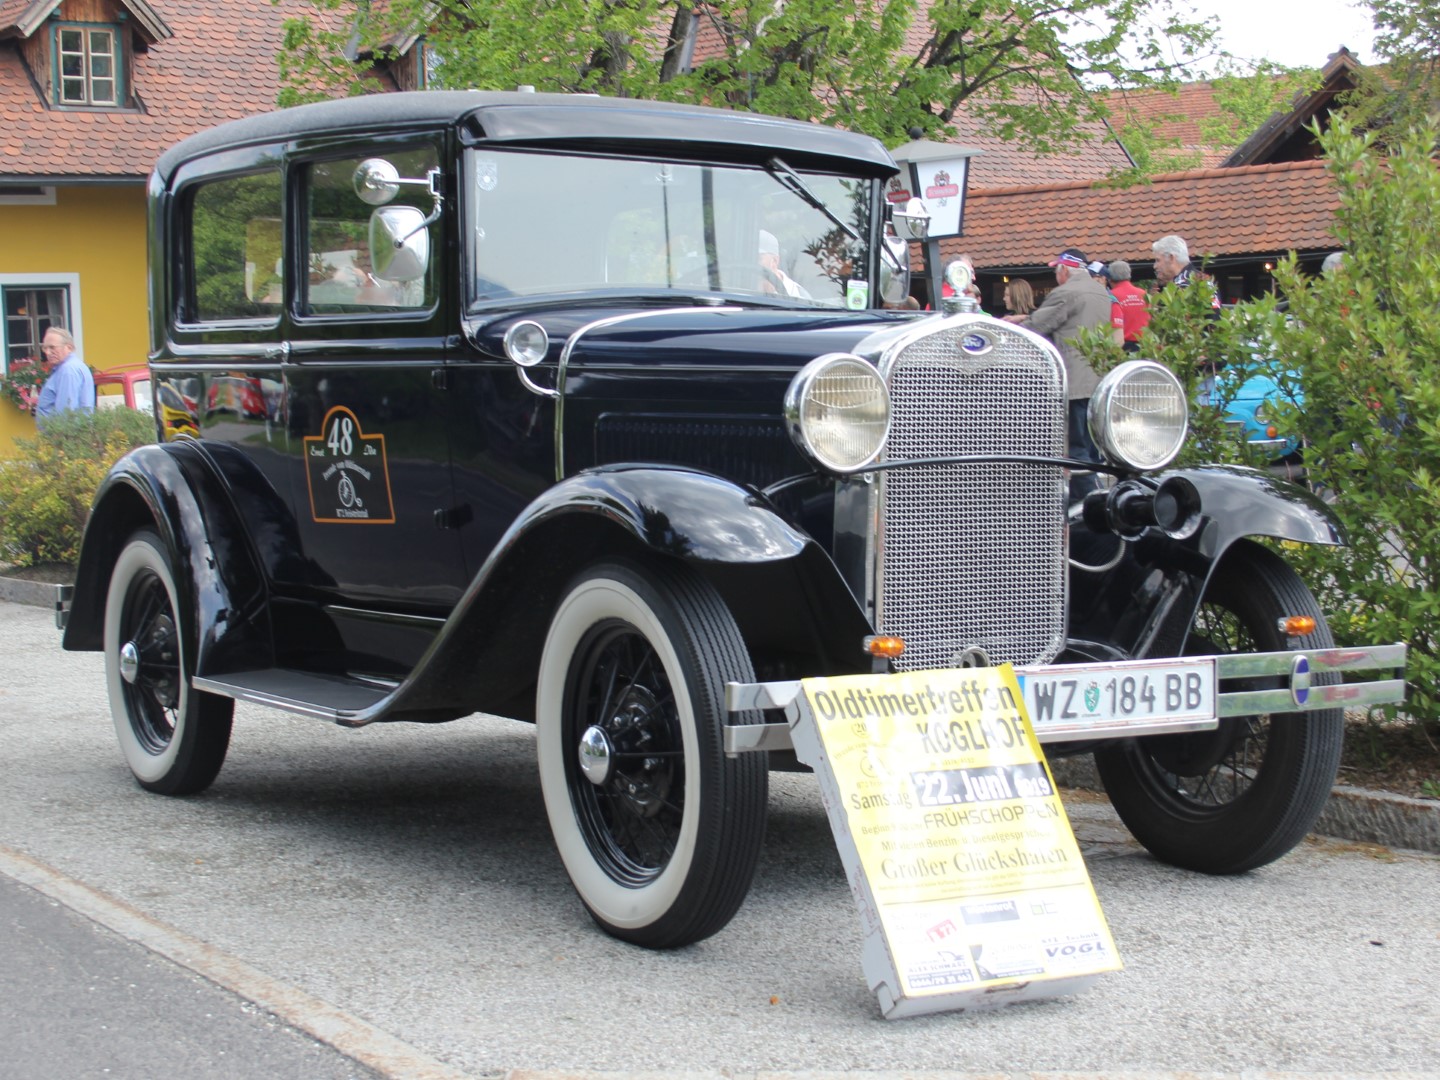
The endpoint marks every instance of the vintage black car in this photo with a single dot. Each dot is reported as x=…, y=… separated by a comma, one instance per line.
x=592, y=413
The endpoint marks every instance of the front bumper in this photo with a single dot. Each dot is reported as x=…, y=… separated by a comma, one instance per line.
x=1072, y=702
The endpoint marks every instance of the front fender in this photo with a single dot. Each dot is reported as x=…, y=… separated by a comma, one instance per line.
x=1144, y=606
x=171, y=488
x=779, y=584
x=671, y=510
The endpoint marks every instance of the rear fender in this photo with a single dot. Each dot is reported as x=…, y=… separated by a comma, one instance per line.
x=174, y=489
x=1146, y=604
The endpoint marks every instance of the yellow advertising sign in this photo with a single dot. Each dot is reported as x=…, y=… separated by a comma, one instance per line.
x=964, y=863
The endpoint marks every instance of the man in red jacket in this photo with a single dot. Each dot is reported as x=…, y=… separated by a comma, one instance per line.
x=1134, y=306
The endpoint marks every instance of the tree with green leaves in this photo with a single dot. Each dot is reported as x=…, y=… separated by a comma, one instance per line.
x=1391, y=97
x=1024, y=69
x=1364, y=345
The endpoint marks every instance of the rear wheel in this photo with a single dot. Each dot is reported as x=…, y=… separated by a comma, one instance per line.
x=1229, y=800
x=658, y=830
x=173, y=736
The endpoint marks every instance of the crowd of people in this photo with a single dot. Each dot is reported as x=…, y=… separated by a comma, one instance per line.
x=1095, y=294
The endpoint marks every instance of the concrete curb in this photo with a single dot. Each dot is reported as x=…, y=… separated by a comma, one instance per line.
x=34, y=593
x=1370, y=817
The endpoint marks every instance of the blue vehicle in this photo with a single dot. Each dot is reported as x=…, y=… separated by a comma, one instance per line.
x=1252, y=408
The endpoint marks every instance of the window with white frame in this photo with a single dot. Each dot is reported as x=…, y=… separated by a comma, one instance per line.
x=30, y=308
x=87, y=65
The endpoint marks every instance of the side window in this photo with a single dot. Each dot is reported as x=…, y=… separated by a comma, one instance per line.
x=235, y=248
x=341, y=278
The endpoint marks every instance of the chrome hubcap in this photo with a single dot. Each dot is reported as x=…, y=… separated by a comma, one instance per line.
x=595, y=757
x=129, y=662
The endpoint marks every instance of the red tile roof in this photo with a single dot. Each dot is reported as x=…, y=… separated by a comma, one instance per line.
x=219, y=65
x=1253, y=210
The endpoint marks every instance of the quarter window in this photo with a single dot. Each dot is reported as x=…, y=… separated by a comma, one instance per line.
x=236, y=248
x=87, y=64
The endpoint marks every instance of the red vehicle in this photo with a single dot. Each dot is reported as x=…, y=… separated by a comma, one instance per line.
x=119, y=386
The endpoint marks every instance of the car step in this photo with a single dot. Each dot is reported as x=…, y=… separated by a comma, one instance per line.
x=331, y=697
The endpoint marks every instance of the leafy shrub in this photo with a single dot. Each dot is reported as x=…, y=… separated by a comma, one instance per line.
x=1212, y=354
x=1366, y=342
x=46, y=492
x=1357, y=365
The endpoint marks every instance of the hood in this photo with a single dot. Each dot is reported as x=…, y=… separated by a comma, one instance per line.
x=694, y=336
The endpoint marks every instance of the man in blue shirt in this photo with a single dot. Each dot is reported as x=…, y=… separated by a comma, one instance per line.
x=70, y=384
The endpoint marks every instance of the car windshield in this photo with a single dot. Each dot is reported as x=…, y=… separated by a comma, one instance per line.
x=543, y=223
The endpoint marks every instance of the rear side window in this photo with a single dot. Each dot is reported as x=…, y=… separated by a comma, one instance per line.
x=236, y=248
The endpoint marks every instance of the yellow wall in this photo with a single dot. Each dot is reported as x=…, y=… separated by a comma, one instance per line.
x=98, y=233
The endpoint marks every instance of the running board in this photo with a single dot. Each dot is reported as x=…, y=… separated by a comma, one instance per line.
x=329, y=697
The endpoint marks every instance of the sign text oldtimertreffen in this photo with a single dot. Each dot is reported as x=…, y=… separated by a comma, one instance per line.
x=971, y=888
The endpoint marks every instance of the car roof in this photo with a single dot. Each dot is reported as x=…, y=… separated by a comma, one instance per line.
x=584, y=122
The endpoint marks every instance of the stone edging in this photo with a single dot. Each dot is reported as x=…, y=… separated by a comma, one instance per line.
x=34, y=593
x=1370, y=817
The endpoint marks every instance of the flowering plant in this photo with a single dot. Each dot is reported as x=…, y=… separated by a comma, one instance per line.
x=21, y=385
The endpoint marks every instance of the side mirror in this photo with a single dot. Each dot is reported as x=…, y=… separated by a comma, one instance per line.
x=376, y=181
x=912, y=223
x=399, y=243
x=894, y=270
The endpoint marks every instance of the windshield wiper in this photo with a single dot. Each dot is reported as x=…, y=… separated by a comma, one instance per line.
x=789, y=179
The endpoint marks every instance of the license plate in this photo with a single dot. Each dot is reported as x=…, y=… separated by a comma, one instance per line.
x=1138, y=693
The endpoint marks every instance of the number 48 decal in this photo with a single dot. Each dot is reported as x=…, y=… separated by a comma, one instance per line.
x=347, y=473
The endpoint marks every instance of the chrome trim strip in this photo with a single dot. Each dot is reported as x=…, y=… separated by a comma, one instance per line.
x=1244, y=665
x=1339, y=695
x=564, y=364
x=430, y=622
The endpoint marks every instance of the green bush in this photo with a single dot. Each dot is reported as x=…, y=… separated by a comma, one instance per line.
x=1211, y=354
x=46, y=492
x=1357, y=362
x=1366, y=343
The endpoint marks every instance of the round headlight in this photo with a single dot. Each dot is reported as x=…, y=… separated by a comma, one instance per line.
x=526, y=343
x=1138, y=415
x=838, y=412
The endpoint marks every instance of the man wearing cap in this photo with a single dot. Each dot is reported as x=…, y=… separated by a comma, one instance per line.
x=773, y=278
x=1078, y=302
x=1134, y=306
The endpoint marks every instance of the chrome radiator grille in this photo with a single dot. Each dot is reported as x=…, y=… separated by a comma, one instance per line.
x=973, y=554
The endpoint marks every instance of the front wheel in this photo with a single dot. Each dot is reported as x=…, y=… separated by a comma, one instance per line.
x=1238, y=797
x=658, y=830
x=173, y=736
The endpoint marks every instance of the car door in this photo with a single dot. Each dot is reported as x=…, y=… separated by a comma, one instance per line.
x=367, y=413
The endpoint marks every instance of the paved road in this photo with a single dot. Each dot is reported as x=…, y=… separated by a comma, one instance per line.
x=404, y=876
x=79, y=1000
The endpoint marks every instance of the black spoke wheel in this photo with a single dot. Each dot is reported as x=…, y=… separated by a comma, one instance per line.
x=658, y=830
x=174, y=737
x=1238, y=797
